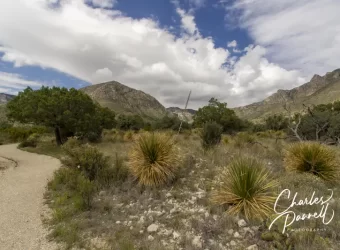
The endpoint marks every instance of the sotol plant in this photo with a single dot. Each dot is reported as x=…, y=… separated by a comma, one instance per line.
x=314, y=158
x=153, y=159
x=247, y=188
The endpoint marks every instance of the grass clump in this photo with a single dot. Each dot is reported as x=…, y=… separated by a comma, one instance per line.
x=211, y=134
x=247, y=188
x=314, y=158
x=31, y=141
x=86, y=158
x=153, y=159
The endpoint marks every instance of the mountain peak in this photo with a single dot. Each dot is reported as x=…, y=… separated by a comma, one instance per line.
x=4, y=98
x=124, y=99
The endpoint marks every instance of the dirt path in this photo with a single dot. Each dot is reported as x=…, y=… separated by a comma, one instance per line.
x=21, y=198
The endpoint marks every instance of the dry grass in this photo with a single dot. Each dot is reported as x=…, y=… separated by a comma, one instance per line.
x=314, y=158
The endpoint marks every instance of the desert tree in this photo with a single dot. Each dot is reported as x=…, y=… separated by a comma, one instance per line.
x=218, y=112
x=67, y=111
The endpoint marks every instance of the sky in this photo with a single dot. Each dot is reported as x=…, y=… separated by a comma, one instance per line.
x=238, y=51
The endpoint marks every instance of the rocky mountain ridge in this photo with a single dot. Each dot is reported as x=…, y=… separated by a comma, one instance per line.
x=4, y=98
x=320, y=89
x=124, y=99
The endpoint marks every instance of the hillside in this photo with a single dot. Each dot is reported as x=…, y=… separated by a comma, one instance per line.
x=319, y=90
x=123, y=99
x=4, y=98
x=185, y=115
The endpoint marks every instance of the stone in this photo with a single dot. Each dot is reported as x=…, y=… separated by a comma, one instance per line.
x=215, y=217
x=117, y=222
x=150, y=237
x=242, y=223
x=102, y=193
x=252, y=247
x=196, y=242
x=152, y=228
x=175, y=235
x=230, y=231
x=232, y=243
x=168, y=195
x=237, y=235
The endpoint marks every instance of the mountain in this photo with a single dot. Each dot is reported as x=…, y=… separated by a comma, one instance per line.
x=123, y=99
x=4, y=98
x=184, y=115
x=319, y=90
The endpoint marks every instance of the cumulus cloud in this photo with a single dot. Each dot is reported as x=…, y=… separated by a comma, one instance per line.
x=302, y=34
x=232, y=44
x=102, y=3
x=12, y=83
x=95, y=44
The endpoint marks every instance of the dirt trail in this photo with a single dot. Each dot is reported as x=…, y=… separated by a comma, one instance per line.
x=21, y=198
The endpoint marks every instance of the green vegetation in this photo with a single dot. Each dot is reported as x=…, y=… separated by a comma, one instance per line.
x=276, y=122
x=153, y=160
x=218, y=112
x=68, y=112
x=313, y=158
x=247, y=187
x=211, y=134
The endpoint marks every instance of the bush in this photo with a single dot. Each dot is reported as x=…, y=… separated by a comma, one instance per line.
x=31, y=141
x=247, y=188
x=243, y=138
x=114, y=174
x=86, y=158
x=22, y=133
x=153, y=159
x=211, y=134
x=314, y=158
x=86, y=189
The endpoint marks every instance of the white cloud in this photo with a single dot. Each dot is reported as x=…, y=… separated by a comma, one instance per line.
x=103, y=3
x=197, y=3
x=302, y=34
x=232, y=44
x=188, y=21
x=12, y=83
x=98, y=44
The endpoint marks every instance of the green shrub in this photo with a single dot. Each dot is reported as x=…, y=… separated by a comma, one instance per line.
x=314, y=158
x=22, y=133
x=31, y=141
x=117, y=173
x=86, y=189
x=153, y=160
x=247, y=187
x=211, y=134
x=85, y=158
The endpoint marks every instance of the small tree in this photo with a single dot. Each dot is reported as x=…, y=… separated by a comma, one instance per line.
x=276, y=122
x=67, y=111
x=219, y=113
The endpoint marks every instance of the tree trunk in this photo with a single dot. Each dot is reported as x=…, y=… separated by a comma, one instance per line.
x=58, y=135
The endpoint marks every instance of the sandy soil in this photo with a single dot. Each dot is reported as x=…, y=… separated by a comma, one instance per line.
x=22, y=184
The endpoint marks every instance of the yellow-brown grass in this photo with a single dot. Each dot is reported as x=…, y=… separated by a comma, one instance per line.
x=153, y=160
x=314, y=158
x=247, y=188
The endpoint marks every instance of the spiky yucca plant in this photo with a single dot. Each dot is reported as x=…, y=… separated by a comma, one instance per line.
x=312, y=157
x=153, y=159
x=247, y=188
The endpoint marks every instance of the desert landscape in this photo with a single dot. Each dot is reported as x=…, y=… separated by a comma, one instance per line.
x=126, y=173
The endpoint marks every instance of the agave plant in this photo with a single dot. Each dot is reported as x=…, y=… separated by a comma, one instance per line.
x=153, y=159
x=314, y=158
x=247, y=188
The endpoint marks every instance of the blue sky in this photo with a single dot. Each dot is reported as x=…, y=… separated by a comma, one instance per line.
x=239, y=51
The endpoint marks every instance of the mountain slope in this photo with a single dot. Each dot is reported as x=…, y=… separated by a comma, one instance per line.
x=123, y=99
x=4, y=98
x=184, y=115
x=320, y=89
